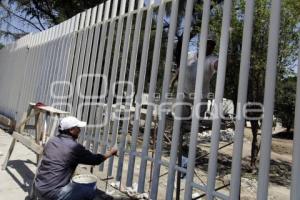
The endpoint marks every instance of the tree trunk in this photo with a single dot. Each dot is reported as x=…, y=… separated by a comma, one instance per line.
x=254, y=148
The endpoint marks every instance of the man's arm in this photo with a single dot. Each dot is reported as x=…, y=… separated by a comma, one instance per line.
x=86, y=157
x=110, y=153
x=174, y=79
x=215, y=65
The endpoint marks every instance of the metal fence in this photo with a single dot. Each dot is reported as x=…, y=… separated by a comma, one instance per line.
x=88, y=65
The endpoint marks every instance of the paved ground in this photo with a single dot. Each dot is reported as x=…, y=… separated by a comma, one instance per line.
x=17, y=178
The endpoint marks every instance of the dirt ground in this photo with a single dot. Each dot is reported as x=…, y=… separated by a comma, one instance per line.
x=280, y=168
x=280, y=165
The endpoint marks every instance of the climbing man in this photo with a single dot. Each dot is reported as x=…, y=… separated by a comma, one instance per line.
x=210, y=68
x=61, y=156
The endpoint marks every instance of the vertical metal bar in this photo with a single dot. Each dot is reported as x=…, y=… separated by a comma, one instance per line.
x=30, y=63
x=242, y=98
x=114, y=8
x=82, y=81
x=82, y=20
x=165, y=90
x=51, y=53
x=150, y=108
x=22, y=80
x=77, y=95
x=99, y=13
x=138, y=97
x=121, y=80
x=64, y=68
x=122, y=8
x=43, y=74
x=75, y=68
x=77, y=60
x=26, y=71
x=129, y=92
x=57, y=65
x=34, y=67
x=140, y=4
x=99, y=67
x=81, y=68
x=197, y=100
x=113, y=81
x=131, y=6
x=107, y=8
x=67, y=89
x=295, y=192
x=93, y=16
x=106, y=72
x=179, y=99
x=90, y=83
x=86, y=68
x=54, y=65
x=111, y=86
x=270, y=81
x=63, y=92
x=213, y=157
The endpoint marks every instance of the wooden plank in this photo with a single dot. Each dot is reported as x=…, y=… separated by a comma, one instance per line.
x=49, y=109
x=38, y=132
x=21, y=125
x=29, y=143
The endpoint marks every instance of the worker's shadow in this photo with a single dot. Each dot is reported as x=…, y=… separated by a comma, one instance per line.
x=23, y=175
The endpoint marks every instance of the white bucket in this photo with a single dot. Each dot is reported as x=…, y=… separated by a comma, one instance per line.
x=86, y=180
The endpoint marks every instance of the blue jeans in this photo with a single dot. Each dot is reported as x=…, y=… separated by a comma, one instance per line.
x=75, y=191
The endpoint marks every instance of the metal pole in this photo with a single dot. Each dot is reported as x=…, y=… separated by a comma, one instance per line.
x=165, y=90
x=113, y=77
x=138, y=97
x=197, y=100
x=129, y=92
x=104, y=87
x=212, y=165
x=270, y=81
x=119, y=97
x=179, y=100
x=295, y=192
x=98, y=71
x=242, y=98
x=150, y=108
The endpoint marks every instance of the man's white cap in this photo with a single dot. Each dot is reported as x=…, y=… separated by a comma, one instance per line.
x=70, y=122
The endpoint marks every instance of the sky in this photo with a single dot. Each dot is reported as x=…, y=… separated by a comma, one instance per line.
x=16, y=23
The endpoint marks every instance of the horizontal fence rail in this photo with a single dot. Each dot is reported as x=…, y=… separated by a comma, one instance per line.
x=112, y=66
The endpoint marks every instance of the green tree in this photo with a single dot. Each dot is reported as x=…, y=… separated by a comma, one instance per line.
x=285, y=101
x=19, y=17
x=289, y=35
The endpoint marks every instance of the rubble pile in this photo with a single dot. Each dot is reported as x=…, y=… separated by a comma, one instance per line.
x=225, y=135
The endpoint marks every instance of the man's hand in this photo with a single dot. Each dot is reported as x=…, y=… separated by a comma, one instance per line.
x=112, y=152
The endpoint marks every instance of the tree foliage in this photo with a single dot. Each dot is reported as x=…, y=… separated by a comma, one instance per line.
x=19, y=17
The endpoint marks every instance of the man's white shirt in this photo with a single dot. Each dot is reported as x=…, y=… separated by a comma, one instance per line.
x=191, y=73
